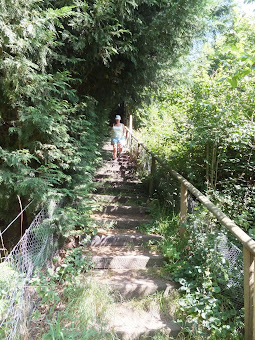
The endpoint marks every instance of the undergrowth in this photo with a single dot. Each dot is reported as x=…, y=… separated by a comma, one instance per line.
x=211, y=292
x=71, y=306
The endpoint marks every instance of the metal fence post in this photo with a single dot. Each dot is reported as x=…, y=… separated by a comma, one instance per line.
x=248, y=263
x=153, y=171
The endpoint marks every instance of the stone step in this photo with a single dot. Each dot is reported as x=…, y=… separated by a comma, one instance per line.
x=119, y=182
x=109, y=151
x=109, y=154
x=122, y=188
x=108, y=173
x=127, y=261
x=124, y=239
x=135, y=199
x=128, y=210
x=116, y=177
x=120, y=253
x=125, y=257
x=130, y=323
x=105, y=173
x=133, y=283
x=108, y=148
x=119, y=222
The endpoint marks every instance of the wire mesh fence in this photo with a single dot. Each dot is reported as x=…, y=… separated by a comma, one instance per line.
x=233, y=270
x=232, y=265
x=31, y=252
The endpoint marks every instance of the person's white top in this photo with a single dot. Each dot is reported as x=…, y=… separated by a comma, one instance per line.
x=117, y=131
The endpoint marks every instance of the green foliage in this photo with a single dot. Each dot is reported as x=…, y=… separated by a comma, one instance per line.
x=57, y=332
x=205, y=128
x=209, y=290
x=8, y=282
x=65, y=65
x=43, y=122
x=117, y=40
x=74, y=264
x=85, y=302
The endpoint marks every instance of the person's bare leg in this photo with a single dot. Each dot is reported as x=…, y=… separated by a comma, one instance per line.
x=114, y=151
x=119, y=149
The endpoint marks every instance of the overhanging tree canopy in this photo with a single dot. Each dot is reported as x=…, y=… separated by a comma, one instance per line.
x=64, y=65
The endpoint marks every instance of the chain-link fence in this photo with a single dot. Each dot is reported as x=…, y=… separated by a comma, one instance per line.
x=31, y=252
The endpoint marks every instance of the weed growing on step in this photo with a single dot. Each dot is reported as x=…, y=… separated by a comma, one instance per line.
x=84, y=314
x=70, y=306
x=159, y=302
x=210, y=305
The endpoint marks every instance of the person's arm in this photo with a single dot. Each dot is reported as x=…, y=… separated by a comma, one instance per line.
x=123, y=130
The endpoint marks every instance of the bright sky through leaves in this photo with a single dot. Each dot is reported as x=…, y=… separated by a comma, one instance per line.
x=248, y=9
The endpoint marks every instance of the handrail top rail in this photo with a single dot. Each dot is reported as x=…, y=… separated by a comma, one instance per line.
x=241, y=235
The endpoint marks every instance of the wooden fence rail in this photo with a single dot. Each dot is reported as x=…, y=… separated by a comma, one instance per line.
x=247, y=242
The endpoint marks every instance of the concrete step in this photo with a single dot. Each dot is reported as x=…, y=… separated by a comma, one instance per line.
x=116, y=177
x=119, y=170
x=108, y=169
x=127, y=261
x=121, y=188
x=130, y=323
x=121, y=257
x=107, y=173
x=125, y=257
x=119, y=182
x=128, y=210
x=114, y=166
x=134, y=283
x=109, y=148
x=124, y=239
x=119, y=222
x=135, y=199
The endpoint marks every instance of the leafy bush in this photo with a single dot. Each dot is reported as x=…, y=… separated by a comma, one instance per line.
x=204, y=127
x=9, y=280
x=65, y=66
x=211, y=288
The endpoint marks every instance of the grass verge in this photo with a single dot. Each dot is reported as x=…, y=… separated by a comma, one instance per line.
x=70, y=305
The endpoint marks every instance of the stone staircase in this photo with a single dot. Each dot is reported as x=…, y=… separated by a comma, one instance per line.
x=120, y=253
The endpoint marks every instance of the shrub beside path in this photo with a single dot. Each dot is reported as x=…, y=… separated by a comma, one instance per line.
x=122, y=255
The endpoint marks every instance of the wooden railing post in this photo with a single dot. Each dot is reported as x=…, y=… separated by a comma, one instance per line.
x=249, y=315
x=152, y=175
x=138, y=149
x=184, y=203
x=240, y=235
x=130, y=129
x=127, y=138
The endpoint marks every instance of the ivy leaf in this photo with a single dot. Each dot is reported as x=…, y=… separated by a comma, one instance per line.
x=232, y=82
x=217, y=289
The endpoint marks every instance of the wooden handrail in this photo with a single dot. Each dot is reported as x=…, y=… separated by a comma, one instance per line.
x=244, y=238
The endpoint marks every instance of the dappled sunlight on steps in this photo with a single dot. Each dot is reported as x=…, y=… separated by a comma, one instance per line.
x=120, y=253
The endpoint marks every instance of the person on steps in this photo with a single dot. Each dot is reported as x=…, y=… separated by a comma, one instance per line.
x=118, y=136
